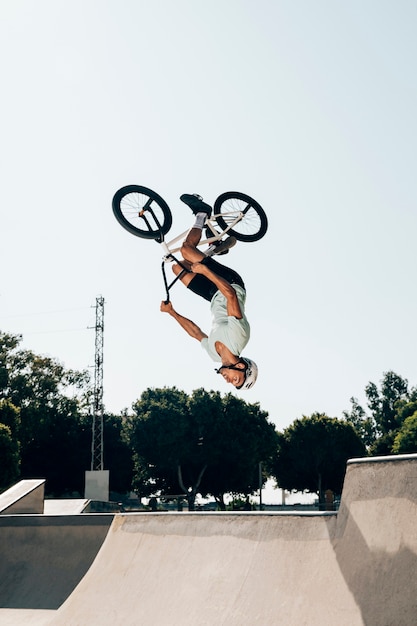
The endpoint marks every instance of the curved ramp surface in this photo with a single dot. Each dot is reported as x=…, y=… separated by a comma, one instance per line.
x=356, y=567
x=213, y=569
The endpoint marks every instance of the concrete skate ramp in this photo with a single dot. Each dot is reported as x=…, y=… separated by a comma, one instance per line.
x=358, y=567
x=26, y=496
x=43, y=558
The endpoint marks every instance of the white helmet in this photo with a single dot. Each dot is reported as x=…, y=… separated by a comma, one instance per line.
x=251, y=373
x=250, y=370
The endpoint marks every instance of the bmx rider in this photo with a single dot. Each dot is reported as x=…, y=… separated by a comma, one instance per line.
x=225, y=290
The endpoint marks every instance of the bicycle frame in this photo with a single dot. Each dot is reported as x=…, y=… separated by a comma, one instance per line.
x=171, y=247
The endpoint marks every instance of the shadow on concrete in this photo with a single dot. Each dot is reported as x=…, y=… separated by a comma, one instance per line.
x=375, y=542
x=43, y=558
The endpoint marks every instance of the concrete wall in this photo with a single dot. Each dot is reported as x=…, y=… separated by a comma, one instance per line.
x=43, y=558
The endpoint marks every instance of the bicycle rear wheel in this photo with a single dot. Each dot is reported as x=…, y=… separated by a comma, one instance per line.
x=253, y=223
x=142, y=212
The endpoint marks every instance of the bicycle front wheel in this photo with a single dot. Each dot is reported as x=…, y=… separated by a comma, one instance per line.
x=245, y=217
x=142, y=212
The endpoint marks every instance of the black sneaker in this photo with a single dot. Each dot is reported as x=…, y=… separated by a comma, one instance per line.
x=221, y=247
x=196, y=204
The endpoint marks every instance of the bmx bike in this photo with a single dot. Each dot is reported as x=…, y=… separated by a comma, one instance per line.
x=142, y=212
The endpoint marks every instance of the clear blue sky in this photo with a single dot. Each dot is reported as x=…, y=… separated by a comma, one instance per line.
x=310, y=107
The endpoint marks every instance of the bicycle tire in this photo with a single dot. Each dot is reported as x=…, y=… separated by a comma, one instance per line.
x=128, y=204
x=254, y=222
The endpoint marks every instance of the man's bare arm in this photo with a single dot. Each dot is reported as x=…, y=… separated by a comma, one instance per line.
x=225, y=288
x=189, y=326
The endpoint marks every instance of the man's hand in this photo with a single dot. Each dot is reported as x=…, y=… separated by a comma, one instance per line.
x=192, y=329
x=166, y=307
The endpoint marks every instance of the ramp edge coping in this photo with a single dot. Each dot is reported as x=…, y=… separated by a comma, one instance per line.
x=383, y=459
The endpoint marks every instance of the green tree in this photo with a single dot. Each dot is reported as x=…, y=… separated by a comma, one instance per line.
x=363, y=424
x=46, y=407
x=387, y=413
x=158, y=435
x=10, y=416
x=312, y=454
x=406, y=409
x=384, y=403
x=51, y=401
x=236, y=443
x=200, y=444
x=117, y=453
x=9, y=455
x=405, y=440
x=8, y=345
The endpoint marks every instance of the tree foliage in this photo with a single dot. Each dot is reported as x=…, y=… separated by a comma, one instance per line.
x=10, y=416
x=45, y=406
x=384, y=403
x=312, y=454
x=363, y=424
x=118, y=457
x=388, y=406
x=9, y=455
x=405, y=440
x=178, y=443
x=203, y=443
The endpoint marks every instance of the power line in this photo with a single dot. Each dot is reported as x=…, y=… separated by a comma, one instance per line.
x=36, y=313
x=47, y=332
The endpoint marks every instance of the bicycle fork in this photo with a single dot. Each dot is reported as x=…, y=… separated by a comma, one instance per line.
x=178, y=277
x=172, y=257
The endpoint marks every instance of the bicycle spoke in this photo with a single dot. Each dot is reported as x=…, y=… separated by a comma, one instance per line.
x=251, y=222
x=142, y=212
x=242, y=216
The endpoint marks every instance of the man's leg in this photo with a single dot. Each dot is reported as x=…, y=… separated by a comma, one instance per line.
x=185, y=275
x=201, y=211
x=198, y=284
x=201, y=285
x=191, y=254
x=189, y=249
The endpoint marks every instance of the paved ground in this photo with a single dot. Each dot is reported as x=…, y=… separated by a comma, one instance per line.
x=356, y=567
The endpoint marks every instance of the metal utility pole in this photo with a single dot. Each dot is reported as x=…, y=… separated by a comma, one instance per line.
x=98, y=408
